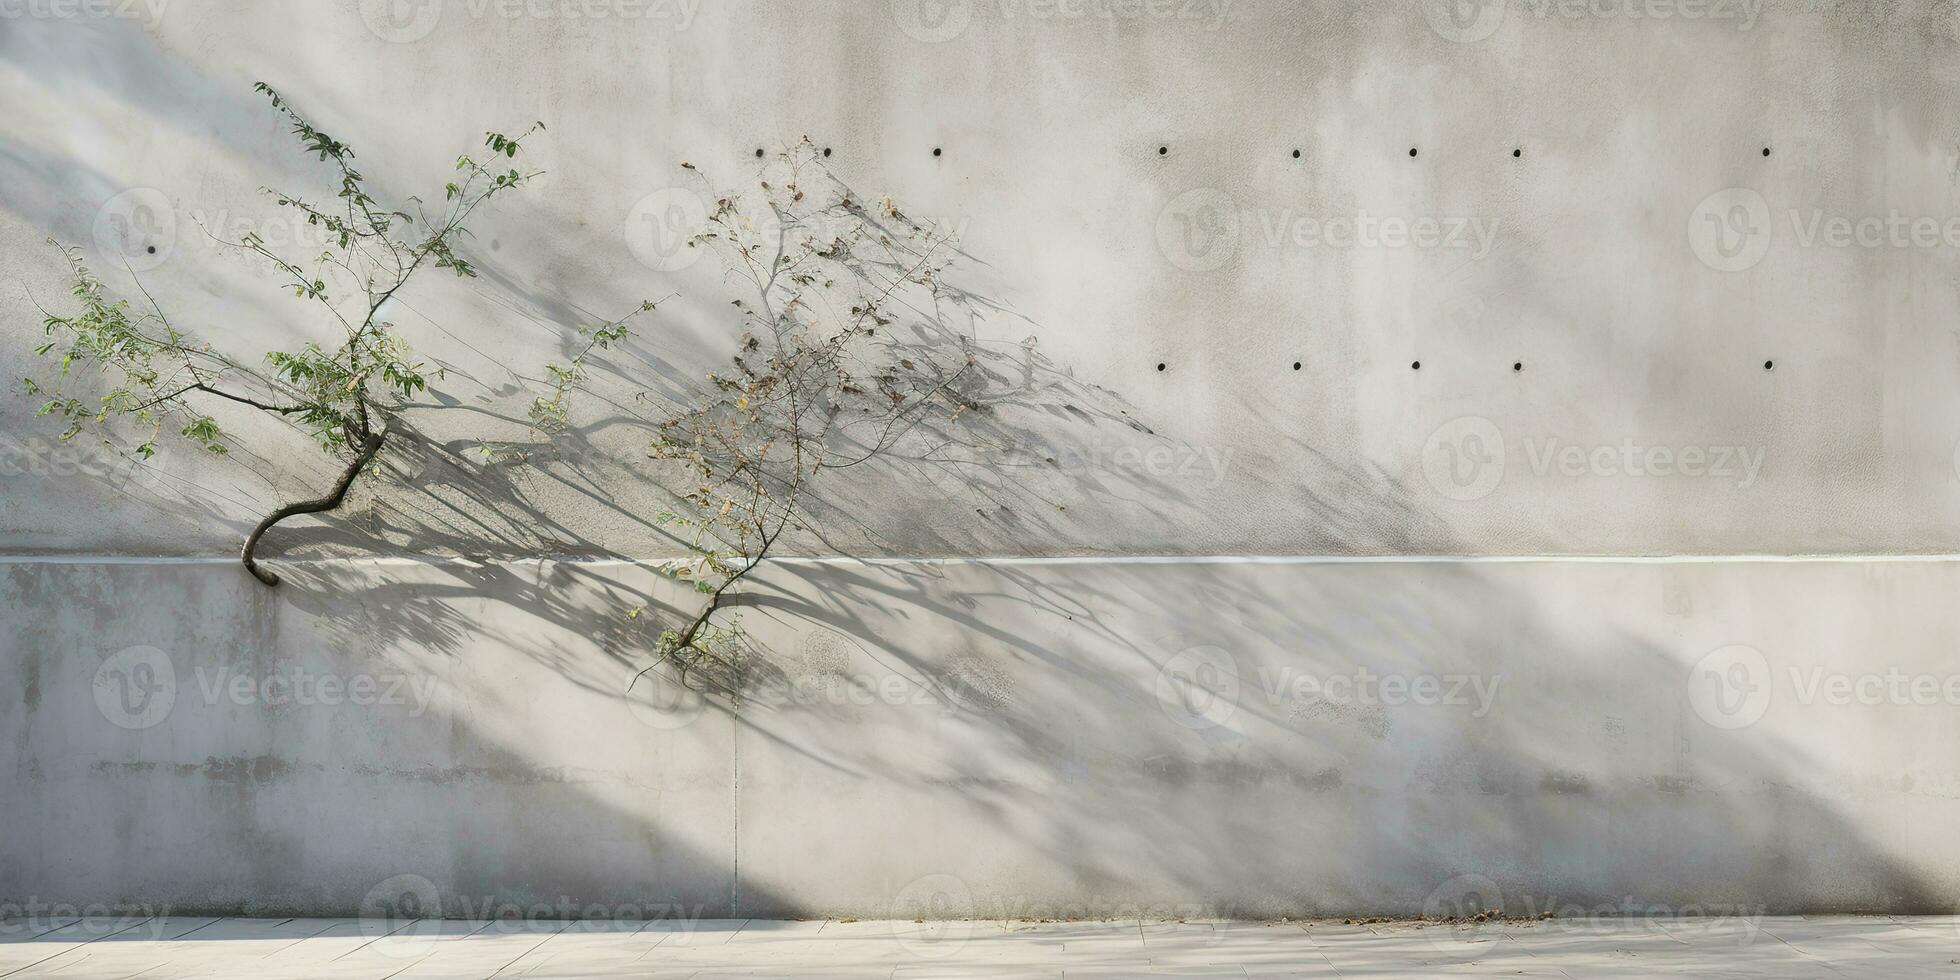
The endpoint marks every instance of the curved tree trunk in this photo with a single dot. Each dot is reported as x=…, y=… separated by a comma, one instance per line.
x=370, y=446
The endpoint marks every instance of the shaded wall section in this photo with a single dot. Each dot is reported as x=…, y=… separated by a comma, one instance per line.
x=1280, y=738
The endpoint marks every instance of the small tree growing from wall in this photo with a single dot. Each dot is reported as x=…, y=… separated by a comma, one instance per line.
x=119, y=365
x=852, y=351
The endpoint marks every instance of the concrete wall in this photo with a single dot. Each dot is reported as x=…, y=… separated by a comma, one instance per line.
x=1679, y=279
x=1277, y=738
x=1604, y=272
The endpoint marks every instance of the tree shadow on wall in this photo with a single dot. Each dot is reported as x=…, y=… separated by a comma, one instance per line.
x=1032, y=699
x=1586, y=780
x=1041, y=714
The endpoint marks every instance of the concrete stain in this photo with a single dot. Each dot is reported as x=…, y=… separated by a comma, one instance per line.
x=1670, y=785
x=30, y=680
x=1565, y=783
x=1323, y=781
x=230, y=769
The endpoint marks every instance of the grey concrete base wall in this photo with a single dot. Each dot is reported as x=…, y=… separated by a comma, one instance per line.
x=1687, y=289
x=1002, y=739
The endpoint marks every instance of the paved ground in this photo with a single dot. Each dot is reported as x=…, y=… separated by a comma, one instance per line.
x=1786, y=947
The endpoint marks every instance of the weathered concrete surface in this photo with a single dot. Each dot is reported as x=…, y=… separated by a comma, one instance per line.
x=1719, y=351
x=1284, y=738
x=1641, y=302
